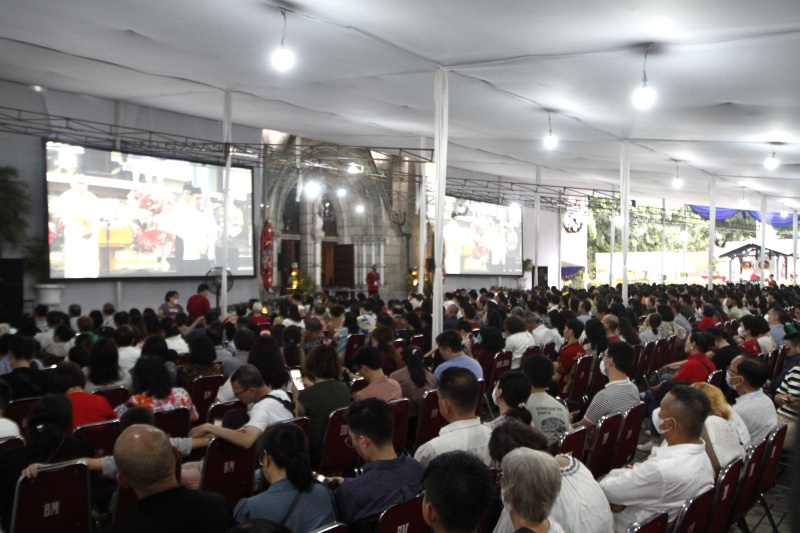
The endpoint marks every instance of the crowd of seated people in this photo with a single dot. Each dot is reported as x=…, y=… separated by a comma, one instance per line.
x=68, y=361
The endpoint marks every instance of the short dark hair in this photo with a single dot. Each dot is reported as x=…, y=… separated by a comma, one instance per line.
x=793, y=337
x=202, y=287
x=449, y=338
x=313, y=324
x=323, y=363
x=622, y=355
x=539, y=370
x=460, y=387
x=514, y=324
x=248, y=377
x=22, y=347
x=369, y=357
x=243, y=340
x=74, y=310
x=372, y=418
x=576, y=326
x=65, y=376
x=150, y=375
x=123, y=336
x=459, y=487
x=690, y=408
x=201, y=350
x=753, y=369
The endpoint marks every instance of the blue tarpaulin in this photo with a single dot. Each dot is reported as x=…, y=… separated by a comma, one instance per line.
x=705, y=212
x=776, y=220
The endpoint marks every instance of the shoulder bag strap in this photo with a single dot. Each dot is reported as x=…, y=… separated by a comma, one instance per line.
x=291, y=507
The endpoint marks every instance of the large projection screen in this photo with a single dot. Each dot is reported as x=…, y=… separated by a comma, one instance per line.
x=482, y=238
x=121, y=215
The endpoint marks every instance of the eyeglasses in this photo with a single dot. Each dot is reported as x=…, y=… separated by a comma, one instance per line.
x=237, y=394
x=349, y=442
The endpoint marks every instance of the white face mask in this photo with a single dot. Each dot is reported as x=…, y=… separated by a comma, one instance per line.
x=603, y=367
x=740, y=331
x=725, y=307
x=494, y=395
x=728, y=381
x=174, y=301
x=658, y=421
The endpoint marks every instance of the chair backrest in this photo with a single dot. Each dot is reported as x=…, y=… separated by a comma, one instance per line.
x=336, y=527
x=598, y=379
x=400, y=413
x=780, y=361
x=530, y=351
x=573, y=443
x=228, y=469
x=301, y=422
x=405, y=518
x=549, y=350
x=600, y=454
x=749, y=482
x=671, y=354
x=716, y=377
x=183, y=359
x=771, y=457
x=175, y=422
x=660, y=354
x=338, y=454
x=204, y=391
x=724, y=495
x=693, y=515
x=502, y=364
x=418, y=341
x=637, y=360
x=430, y=419
x=9, y=443
x=580, y=381
x=357, y=385
x=217, y=410
x=354, y=342
x=18, y=410
x=399, y=345
x=481, y=392
x=647, y=360
x=629, y=435
x=100, y=435
x=57, y=499
x=655, y=523
x=115, y=395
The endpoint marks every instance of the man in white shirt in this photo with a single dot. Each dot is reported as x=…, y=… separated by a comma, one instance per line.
x=548, y=414
x=541, y=334
x=747, y=375
x=128, y=353
x=45, y=339
x=458, y=397
x=517, y=339
x=677, y=470
x=269, y=407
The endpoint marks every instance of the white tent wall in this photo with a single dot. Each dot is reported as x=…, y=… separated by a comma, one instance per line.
x=26, y=154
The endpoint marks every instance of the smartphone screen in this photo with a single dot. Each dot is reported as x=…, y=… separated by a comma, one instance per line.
x=297, y=378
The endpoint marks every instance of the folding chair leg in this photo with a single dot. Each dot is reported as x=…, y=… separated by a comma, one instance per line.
x=488, y=404
x=743, y=524
x=764, y=504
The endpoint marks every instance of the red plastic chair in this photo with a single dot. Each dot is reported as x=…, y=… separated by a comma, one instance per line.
x=57, y=499
x=430, y=419
x=400, y=414
x=501, y=365
x=600, y=455
x=228, y=469
x=338, y=454
x=357, y=385
x=481, y=392
x=573, y=443
x=529, y=352
x=780, y=361
x=9, y=443
x=637, y=360
x=354, y=342
x=647, y=360
x=405, y=518
x=115, y=395
x=183, y=359
x=693, y=515
x=175, y=422
x=399, y=345
x=748, y=485
x=580, y=381
x=301, y=422
x=418, y=341
x=100, y=435
x=18, y=410
x=716, y=377
x=204, y=391
x=549, y=350
x=629, y=436
x=598, y=379
x=773, y=455
x=218, y=410
x=672, y=353
x=659, y=355
x=655, y=523
x=724, y=495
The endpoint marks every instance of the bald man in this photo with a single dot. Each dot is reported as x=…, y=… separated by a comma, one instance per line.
x=146, y=464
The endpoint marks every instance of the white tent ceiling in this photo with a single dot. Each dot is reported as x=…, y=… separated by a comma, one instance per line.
x=726, y=73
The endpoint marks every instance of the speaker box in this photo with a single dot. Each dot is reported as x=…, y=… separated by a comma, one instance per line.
x=283, y=262
x=11, y=291
x=430, y=264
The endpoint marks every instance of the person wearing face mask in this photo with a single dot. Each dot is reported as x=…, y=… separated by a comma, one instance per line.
x=170, y=307
x=747, y=375
x=619, y=394
x=674, y=472
x=792, y=344
x=787, y=393
x=512, y=391
x=747, y=336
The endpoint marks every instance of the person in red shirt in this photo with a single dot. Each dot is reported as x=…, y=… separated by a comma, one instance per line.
x=611, y=325
x=709, y=317
x=87, y=408
x=198, y=303
x=571, y=351
x=373, y=280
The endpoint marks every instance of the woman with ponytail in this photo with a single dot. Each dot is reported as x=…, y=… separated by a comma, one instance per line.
x=293, y=499
x=382, y=339
x=415, y=380
x=512, y=391
x=50, y=441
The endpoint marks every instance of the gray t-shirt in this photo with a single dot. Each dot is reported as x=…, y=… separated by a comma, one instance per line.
x=549, y=415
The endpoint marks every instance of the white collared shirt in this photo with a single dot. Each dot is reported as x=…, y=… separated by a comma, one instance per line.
x=467, y=435
x=662, y=483
x=128, y=355
x=758, y=413
x=517, y=344
x=544, y=335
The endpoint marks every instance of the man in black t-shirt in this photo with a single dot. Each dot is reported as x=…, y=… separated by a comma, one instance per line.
x=25, y=380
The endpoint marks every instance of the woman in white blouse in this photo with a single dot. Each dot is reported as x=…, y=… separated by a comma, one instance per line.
x=720, y=429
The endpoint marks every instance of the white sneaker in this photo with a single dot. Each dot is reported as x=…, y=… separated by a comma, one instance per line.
x=647, y=448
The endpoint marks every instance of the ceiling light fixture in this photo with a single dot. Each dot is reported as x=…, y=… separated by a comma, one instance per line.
x=312, y=189
x=772, y=162
x=37, y=88
x=359, y=209
x=283, y=58
x=784, y=212
x=677, y=182
x=341, y=193
x=742, y=202
x=551, y=141
x=644, y=96
x=352, y=168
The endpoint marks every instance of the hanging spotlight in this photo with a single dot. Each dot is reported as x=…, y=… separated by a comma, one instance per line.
x=283, y=58
x=312, y=189
x=341, y=193
x=772, y=162
x=352, y=168
x=551, y=141
x=742, y=202
x=784, y=213
x=359, y=209
x=677, y=182
x=644, y=96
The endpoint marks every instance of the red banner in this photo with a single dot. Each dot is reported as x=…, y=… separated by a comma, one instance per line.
x=267, y=242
